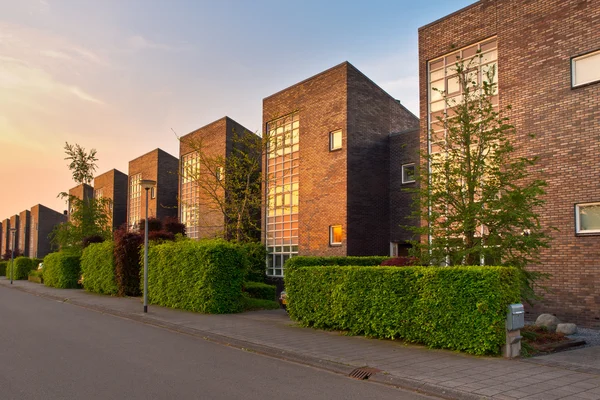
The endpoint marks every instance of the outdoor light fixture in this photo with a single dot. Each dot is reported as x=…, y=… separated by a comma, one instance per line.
x=13, y=231
x=146, y=184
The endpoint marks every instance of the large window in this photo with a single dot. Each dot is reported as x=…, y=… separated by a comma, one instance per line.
x=587, y=218
x=480, y=58
x=585, y=69
x=282, y=192
x=135, y=200
x=189, y=194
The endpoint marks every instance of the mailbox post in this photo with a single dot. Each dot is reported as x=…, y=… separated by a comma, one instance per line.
x=515, y=320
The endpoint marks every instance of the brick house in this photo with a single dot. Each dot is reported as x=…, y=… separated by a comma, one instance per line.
x=43, y=221
x=5, y=236
x=198, y=210
x=158, y=166
x=327, y=169
x=547, y=54
x=14, y=223
x=24, y=231
x=113, y=185
x=82, y=192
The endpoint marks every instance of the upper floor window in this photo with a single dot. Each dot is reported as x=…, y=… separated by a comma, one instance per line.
x=335, y=235
x=408, y=173
x=587, y=218
x=585, y=69
x=335, y=140
x=153, y=192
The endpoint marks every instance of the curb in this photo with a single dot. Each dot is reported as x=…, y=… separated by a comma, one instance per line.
x=330, y=366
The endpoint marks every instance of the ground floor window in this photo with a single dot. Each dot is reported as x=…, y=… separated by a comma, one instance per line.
x=587, y=218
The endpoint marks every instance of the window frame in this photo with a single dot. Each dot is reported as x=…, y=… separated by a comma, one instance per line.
x=573, y=60
x=578, y=230
x=331, y=148
x=404, y=182
x=331, y=235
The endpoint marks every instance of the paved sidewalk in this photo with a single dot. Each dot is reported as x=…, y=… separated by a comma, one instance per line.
x=438, y=372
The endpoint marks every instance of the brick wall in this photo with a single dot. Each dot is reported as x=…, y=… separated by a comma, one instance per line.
x=82, y=192
x=43, y=221
x=24, y=231
x=14, y=223
x=5, y=236
x=536, y=40
x=113, y=185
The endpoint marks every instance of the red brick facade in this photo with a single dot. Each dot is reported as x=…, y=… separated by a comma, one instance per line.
x=113, y=185
x=43, y=221
x=536, y=41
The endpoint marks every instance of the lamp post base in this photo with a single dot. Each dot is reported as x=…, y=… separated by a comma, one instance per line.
x=145, y=309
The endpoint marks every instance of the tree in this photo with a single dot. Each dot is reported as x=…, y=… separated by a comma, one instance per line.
x=228, y=185
x=476, y=200
x=89, y=216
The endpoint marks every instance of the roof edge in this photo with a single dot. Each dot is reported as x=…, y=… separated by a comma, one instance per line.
x=449, y=15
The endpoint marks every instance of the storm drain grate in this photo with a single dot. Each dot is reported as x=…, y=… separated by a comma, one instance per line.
x=363, y=373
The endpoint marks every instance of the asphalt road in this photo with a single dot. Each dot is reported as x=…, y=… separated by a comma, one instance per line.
x=53, y=350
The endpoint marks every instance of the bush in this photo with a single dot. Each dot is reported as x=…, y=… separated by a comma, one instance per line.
x=98, y=268
x=3, y=267
x=160, y=236
x=172, y=225
x=21, y=268
x=399, y=261
x=36, y=276
x=256, y=253
x=204, y=276
x=306, y=261
x=259, y=290
x=61, y=270
x=92, y=239
x=459, y=308
x=127, y=261
x=251, y=304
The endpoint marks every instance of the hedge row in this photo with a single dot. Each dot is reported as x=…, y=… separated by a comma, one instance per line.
x=204, y=276
x=61, y=270
x=36, y=276
x=307, y=261
x=459, y=308
x=259, y=290
x=3, y=267
x=98, y=268
x=21, y=267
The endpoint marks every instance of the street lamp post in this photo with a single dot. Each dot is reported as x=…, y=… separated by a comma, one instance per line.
x=13, y=232
x=147, y=184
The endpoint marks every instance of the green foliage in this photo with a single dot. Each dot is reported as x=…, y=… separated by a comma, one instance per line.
x=61, y=270
x=477, y=196
x=21, y=268
x=256, y=253
x=82, y=164
x=252, y=304
x=36, y=276
x=459, y=308
x=204, y=276
x=260, y=290
x=309, y=261
x=3, y=267
x=98, y=268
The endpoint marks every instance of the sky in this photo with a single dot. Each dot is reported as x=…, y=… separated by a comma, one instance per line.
x=125, y=77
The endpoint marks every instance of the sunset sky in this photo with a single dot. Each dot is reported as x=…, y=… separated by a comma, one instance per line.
x=120, y=75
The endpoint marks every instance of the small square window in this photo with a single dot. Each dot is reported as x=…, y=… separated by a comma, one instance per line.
x=587, y=218
x=335, y=235
x=335, y=140
x=585, y=69
x=408, y=173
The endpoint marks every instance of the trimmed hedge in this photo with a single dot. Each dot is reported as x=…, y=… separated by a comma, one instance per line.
x=307, y=261
x=259, y=290
x=21, y=268
x=98, y=268
x=205, y=276
x=61, y=270
x=36, y=276
x=3, y=267
x=256, y=253
x=458, y=308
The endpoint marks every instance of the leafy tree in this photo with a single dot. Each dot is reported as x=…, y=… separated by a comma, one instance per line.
x=476, y=200
x=83, y=164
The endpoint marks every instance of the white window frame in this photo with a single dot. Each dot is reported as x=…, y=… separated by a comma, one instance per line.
x=393, y=249
x=578, y=222
x=153, y=192
x=574, y=60
x=331, y=242
x=404, y=181
x=331, y=148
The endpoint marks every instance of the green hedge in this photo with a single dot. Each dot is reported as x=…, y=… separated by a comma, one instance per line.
x=98, y=268
x=21, y=268
x=3, y=267
x=259, y=290
x=256, y=253
x=61, y=270
x=306, y=261
x=459, y=308
x=204, y=276
x=36, y=276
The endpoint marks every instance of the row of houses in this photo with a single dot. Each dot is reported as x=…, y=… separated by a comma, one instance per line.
x=353, y=148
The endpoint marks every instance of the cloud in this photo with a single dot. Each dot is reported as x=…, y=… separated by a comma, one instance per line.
x=138, y=42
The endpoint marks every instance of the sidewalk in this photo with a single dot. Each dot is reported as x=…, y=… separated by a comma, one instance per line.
x=437, y=372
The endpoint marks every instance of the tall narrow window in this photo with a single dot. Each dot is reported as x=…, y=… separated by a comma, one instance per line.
x=585, y=69
x=135, y=200
x=335, y=235
x=153, y=192
x=335, y=140
x=189, y=194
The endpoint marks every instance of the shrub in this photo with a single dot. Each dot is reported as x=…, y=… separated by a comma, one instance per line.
x=251, y=304
x=98, y=268
x=399, y=261
x=256, y=253
x=127, y=261
x=172, y=225
x=21, y=268
x=154, y=224
x=459, y=308
x=92, y=239
x=3, y=267
x=306, y=261
x=160, y=236
x=61, y=270
x=259, y=290
x=204, y=276
x=36, y=276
